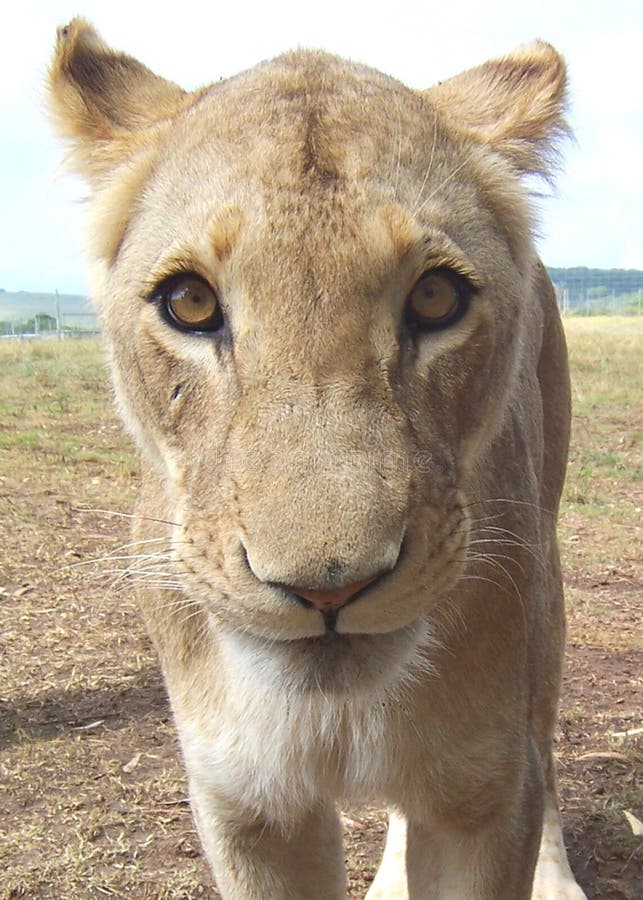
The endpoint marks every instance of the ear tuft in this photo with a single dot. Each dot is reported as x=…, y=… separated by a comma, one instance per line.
x=515, y=104
x=104, y=101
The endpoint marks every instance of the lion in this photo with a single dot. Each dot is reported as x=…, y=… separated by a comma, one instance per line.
x=341, y=359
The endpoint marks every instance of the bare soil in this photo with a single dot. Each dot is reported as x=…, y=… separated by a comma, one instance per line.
x=93, y=802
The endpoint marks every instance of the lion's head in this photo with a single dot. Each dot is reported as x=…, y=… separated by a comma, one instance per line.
x=315, y=285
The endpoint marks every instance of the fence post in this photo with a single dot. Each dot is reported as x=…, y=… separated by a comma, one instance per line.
x=58, y=322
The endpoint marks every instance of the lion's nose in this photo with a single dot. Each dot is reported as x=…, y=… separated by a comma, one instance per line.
x=331, y=601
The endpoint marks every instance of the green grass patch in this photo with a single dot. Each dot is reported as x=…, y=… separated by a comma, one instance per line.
x=55, y=406
x=602, y=493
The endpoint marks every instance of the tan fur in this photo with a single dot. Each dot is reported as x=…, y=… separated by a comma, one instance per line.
x=315, y=439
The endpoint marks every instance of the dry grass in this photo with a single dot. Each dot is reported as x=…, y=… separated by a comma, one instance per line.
x=94, y=801
x=600, y=525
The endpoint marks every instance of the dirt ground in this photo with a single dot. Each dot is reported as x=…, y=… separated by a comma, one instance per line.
x=93, y=800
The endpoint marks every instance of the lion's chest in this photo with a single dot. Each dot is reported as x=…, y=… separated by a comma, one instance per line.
x=276, y=758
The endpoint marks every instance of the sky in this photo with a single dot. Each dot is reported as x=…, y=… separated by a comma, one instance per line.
x=593, y=219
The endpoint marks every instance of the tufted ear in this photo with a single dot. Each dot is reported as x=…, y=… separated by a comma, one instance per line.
x=108, y=104
x=515, y=104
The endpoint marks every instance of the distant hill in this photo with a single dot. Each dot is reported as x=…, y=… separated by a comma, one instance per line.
x=23, y=304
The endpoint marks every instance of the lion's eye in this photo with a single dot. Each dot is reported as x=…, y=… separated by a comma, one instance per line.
x=439, y=299
x=190, y=303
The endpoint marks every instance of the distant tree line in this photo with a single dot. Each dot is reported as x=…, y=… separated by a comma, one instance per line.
x=592, y=291
x=40, y=323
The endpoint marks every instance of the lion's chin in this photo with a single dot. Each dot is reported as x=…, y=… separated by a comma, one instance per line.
x=340, y=665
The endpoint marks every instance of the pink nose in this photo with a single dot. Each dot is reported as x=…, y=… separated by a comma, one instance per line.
x=331, y=601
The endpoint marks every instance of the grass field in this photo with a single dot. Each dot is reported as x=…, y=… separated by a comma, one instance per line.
x=94, y=802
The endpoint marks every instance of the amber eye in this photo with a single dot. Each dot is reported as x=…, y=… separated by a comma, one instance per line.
x=190, y=303
x=439, y=299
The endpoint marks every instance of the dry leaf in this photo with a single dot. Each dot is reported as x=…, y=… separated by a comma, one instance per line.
x=90, y=725
x=132, y=764
x=635, y=824
x=632, y=732
x=604, y=754
x=353, y=824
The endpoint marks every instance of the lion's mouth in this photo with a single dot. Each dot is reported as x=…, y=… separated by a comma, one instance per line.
x=333, y=646
x=330, y=664
x=331, y=642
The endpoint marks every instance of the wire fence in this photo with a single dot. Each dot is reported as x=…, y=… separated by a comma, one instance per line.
x=24, y=315
x=592, y=292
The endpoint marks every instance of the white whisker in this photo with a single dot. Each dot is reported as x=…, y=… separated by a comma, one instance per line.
x=418, y=203
x=399, y=146
x=122, y=515
x=480, y=578
x=445, y=181
x=497, y=555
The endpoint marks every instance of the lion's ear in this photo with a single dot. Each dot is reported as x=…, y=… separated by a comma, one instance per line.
x=105, y=102
x=516, y=104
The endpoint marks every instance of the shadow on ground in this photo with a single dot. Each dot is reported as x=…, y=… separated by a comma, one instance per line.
x=54, y=712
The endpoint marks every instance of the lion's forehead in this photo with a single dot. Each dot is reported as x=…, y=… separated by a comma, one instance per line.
x=310, y=124
x=307, y=97
x=312, y=152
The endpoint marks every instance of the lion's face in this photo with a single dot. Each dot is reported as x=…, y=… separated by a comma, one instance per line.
x=313, y=284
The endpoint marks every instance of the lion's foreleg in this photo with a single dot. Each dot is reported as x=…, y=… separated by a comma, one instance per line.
x=482, y=850
x=257, y=861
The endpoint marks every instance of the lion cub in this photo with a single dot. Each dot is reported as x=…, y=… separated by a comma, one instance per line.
x=341, y=359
